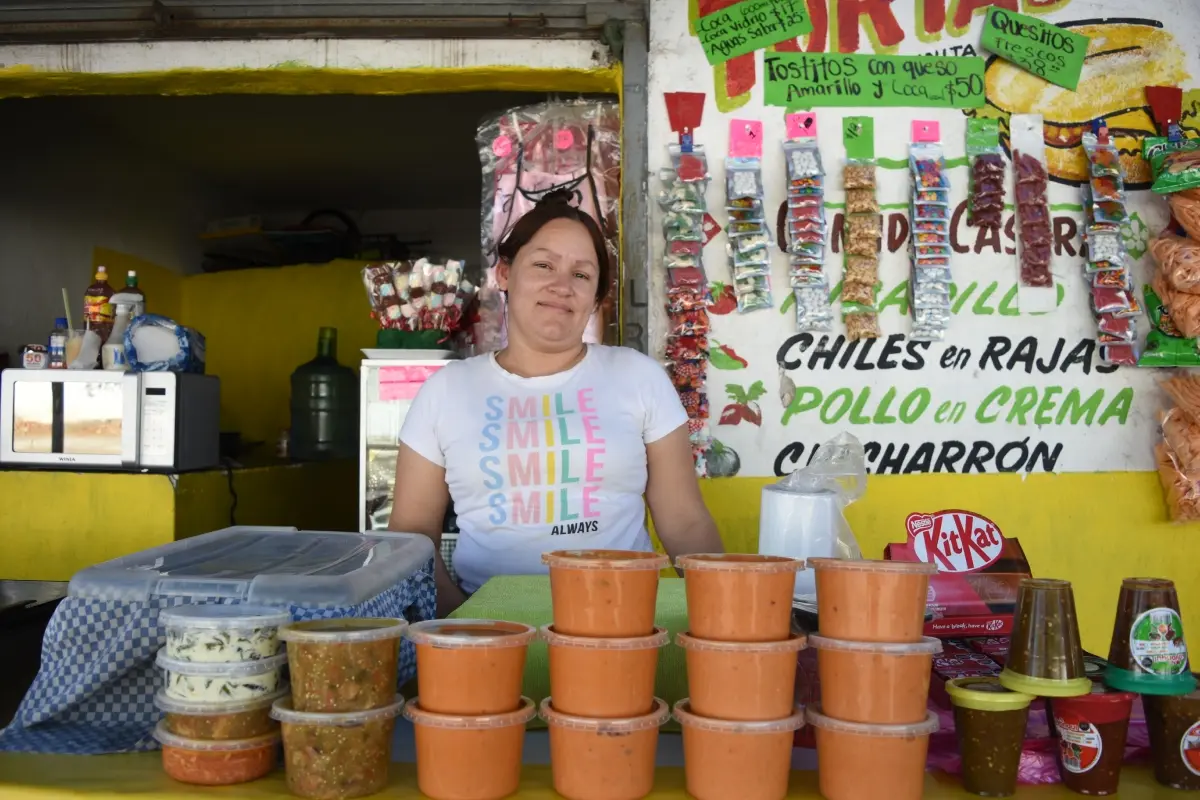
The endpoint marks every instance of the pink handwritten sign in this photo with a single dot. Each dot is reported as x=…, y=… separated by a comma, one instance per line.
x=745, y=138
x=926, y=130
x=402, y=383
x=801, y=125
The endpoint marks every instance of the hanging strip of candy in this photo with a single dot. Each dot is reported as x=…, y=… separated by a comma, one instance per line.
x=862, y=233
x=985, y=158
x=1107, y=267
x=1035, y=284
x=929, y=280
x=805, y=225
x=750, y=240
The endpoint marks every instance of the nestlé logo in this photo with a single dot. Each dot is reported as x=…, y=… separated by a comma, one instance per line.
x=955, y=540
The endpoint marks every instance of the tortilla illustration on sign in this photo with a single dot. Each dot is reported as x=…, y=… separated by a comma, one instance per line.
x=751, y=25
x=1124, y=57
x=1042, y=48
x=955, y=540
x=809, y=80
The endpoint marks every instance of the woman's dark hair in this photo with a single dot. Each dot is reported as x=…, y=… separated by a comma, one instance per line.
x=557, y=205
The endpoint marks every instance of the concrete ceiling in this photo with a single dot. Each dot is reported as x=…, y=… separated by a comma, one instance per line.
x=264, y=153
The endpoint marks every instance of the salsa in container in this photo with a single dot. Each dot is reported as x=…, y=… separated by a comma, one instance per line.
x=1045, y=657
x=1091, y=730
x=875, y=682
x=989, y=721
x=340, y=665
x=728, y=759
x=337, y=756
x=217, y=763
x=1148, y=653
x=604, y=592
x=603, y=677
x=741, y=680
x=470, y=666
x=199, y=682
x=897, y=591
x=1174, y=725
x=739, y=597
x=216, y=633
x=856, y=761
x=243, y=719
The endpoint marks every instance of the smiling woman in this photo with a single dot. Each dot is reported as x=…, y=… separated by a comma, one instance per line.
x=550, y=443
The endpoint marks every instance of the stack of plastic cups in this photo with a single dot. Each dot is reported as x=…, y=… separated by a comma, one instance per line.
x=874, y=667
x=740, y=717
x=603, y=650
x=223, y=670
x=1148, y=655
x=338, y=722
x=989, y=722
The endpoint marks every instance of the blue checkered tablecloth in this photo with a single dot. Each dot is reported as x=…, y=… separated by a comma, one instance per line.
x=94, y=692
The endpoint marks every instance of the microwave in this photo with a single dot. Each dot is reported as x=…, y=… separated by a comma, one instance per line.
x=143, y=421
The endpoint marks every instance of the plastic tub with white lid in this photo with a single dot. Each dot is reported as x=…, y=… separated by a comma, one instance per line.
x=221, y=633
x=216, y=683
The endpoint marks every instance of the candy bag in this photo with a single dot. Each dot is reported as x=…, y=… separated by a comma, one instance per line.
x=1180, y=170
x=814, y=314
x=1166, y=346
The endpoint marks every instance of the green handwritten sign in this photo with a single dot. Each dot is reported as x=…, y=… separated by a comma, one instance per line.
x=751, y=25
x=809, y=80
x=1046, y=50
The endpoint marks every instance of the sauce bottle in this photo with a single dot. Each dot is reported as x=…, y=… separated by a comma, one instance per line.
x=98, y=314
x=58, y=344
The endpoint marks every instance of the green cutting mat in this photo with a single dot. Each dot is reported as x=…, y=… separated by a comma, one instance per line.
x=526, y=598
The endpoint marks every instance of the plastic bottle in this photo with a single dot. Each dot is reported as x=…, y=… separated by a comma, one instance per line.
x=324, y=405
x=98, y=314
x=58, y=344
x=132, y=288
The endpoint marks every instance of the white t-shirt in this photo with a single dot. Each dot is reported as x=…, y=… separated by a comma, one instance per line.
x=539, y=464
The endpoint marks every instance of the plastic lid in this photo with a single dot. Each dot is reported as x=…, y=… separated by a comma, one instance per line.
x=739, y=562
x=191, y=709
x=659, y=638
x=418, y=716
x=606, y=727
x=871, y=565
x=169, y=739
x=794, y=643
x=223, y=616
x=470, y=633
x=1044, y=687
x=232, y=669
x=818, y=720
x=60, y=322
x=282, y=710
x=343, y=629
x=985, y=694
x=927, y=645
x=684, y=716
x=606, y=559
x=1144, y=683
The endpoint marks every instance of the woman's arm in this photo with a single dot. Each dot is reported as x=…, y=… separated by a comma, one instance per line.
x=420, y=507
x=680, y=517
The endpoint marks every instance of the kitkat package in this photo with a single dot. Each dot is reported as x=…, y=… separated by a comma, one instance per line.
x=975, y=588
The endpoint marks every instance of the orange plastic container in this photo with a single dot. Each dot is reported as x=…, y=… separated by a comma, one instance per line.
x=856, y=761
x=725, y=759
x=741, y=680
x=603, y=759
x=859, y=600
x=470, y=666
x=875, y=682
x=469, y=758
x=604, y=592
x=603, y=678
x=739, y=597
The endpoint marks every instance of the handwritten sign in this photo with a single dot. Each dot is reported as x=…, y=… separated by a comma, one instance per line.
x=1046, y=50
x=751, y=25
x=808, y=80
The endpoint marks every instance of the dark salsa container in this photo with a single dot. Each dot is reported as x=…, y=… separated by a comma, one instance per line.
x=989, y=721
x=1174, y=724
x=1045, y=657
x=1148, y=653
x=1091, y=730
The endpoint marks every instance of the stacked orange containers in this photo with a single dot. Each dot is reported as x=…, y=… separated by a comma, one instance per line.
x=874, y=667
x=603, y=650
x=739, y=719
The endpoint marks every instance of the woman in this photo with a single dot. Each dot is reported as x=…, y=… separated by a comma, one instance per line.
x=550, y=443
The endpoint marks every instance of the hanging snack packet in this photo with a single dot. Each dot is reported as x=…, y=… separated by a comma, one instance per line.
x=1178, y=260
x=1180, y=171
x=859, y=174
x=803, y=161
x=1186, y=210
x=1183, y=387
x=743, y=179
x=1182, y=435
x=985, y=191
x=862, y=322
x=814, y=313
x=1166, y=346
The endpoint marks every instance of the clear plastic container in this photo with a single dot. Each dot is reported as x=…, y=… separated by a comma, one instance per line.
x=875, y=682
x=742, y=680
x=861, y=600
x=221, y=763
x=219, y=633
x=604, y=592
x=603, y=759
x=244, y=719
x=739, y=597
x=603, y=677
x=469, y=758
x=857, y=761
x=726, y=759
x=337, y=756
x=1045, y=657
x=268, y=566
x=1148, y=653
x=470, y=666
x=346, y=664
x=989, y=721
x=215, y=683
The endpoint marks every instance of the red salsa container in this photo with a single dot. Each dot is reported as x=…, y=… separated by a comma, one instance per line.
x=1091, y=730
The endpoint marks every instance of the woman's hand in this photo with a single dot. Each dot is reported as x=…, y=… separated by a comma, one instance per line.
x=680, y=517
x=420, y=507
